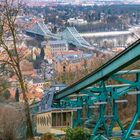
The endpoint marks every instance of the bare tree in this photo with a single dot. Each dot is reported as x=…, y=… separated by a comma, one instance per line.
x=11, y=54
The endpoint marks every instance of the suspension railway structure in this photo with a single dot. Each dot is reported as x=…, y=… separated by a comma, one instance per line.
x=63, y=106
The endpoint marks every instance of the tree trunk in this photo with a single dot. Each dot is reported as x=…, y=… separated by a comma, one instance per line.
x=27, y=109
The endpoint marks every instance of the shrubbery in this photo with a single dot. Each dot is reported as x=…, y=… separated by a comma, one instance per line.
x=77, y=134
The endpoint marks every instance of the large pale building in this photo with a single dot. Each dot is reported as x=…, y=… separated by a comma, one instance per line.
x=54, y=120
x=58, y=46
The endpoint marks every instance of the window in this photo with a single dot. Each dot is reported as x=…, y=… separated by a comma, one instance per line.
x=58, y=119
x=43, y=120
x=61, y=119
x=64, y=119
x=47, y=123
x=40, y=120
x=68, y=119
x=53, y=119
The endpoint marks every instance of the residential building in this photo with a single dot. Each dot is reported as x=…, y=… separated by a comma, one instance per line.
x=76, y=21
x=58, y=46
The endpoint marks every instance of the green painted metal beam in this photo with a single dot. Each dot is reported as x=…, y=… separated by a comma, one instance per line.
x=128, y=72
x=125, y=58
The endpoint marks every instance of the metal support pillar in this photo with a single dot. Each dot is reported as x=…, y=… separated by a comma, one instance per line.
x=79, y=105
x=115, y=118
x=100, y=121
x=79, y=115
x=102, y=109
x=89, y=112
x=126, y=135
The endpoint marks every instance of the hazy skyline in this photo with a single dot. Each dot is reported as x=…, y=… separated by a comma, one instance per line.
x=69, y=1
